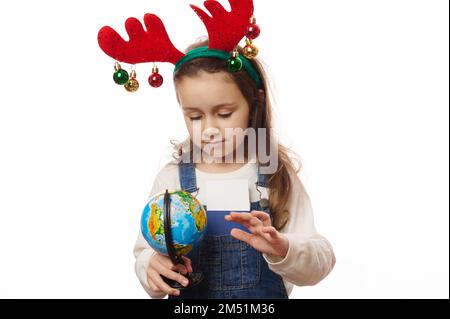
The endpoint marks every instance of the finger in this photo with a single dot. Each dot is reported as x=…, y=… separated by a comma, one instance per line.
x=152, y=286
x=241, y=235
x=188, y=264
x=245, y=218
x=168, y=273
x=254, y=226
x=167, y=263
x=236, y=219
x=258, y=231
x=263, y=216
x=272, y=232
x=161, y=285
x=180, y=268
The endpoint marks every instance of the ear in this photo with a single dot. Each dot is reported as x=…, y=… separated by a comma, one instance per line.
x=261, y=94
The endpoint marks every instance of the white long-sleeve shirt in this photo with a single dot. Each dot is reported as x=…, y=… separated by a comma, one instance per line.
x=310, y=256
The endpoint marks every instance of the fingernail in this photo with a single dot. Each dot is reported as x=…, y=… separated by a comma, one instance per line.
x=185, y=282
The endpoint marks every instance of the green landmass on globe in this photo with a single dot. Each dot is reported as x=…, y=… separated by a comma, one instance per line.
x=188, y=222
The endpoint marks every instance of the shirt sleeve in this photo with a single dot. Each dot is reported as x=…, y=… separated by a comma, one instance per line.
x=143, y=252
x=310, y=257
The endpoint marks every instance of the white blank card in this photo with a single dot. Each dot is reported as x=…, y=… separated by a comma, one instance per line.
x=231, y=194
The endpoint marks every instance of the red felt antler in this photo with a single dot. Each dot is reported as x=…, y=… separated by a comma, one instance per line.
x=152, y=45
x=226, y=29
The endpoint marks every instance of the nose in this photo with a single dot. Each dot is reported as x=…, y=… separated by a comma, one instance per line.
x=210, y=134
x=210, y=130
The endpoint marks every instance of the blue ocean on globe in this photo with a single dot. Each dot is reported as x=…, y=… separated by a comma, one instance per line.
x=188, y=222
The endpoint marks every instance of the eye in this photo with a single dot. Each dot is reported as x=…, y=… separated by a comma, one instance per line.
x=196, y=118
x=224, y=116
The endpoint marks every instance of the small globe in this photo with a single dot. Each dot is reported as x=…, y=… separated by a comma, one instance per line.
x=188, y=222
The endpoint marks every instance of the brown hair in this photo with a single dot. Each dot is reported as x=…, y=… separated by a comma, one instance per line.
x=279, y=183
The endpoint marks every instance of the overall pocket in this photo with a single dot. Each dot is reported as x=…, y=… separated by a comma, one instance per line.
x=228, y=263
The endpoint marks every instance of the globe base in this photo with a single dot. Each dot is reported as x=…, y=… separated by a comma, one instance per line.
x=194, y=279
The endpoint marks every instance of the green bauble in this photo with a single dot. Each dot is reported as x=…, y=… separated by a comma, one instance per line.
x=121, y=77
x=235, y=64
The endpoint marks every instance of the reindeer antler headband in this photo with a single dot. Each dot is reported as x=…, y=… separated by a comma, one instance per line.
x=225, y=31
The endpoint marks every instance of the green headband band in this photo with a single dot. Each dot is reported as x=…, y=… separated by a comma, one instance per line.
x=205, y=52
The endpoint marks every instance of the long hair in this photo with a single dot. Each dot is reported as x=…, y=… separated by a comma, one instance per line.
x=279, y=183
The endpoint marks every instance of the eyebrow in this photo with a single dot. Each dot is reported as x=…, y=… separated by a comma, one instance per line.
x=214, y=107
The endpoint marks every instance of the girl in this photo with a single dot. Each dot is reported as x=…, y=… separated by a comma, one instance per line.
x=281, y=247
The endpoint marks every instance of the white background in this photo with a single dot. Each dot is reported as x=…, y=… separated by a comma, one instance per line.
x=362, y=95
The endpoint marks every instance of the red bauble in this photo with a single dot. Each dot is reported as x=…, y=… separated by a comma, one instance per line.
x=253, y=31
x=155, y=80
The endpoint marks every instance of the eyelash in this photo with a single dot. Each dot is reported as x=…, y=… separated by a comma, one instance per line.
x=224, y=116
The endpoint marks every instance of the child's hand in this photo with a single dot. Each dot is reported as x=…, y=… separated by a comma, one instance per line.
x=161, y=265
x=263, y=237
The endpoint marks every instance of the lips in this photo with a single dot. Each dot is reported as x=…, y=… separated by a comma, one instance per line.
x=213, y=142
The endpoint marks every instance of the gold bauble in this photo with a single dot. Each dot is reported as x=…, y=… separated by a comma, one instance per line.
x=132, y=85
x=250, y=51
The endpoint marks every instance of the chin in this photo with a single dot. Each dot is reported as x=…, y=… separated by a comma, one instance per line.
x=218, y=156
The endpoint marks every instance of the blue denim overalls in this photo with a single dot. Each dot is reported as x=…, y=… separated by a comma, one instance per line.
x=232, y=268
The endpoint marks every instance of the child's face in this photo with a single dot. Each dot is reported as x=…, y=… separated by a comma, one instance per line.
x=213, y=103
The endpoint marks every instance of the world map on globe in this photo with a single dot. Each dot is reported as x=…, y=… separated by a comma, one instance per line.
x=188, y=222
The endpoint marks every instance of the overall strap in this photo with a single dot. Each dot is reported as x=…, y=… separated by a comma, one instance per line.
x=263, y=203
x=262, y=179
x=188, y=180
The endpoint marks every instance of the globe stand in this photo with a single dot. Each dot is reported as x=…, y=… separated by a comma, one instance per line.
x=194, y=278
